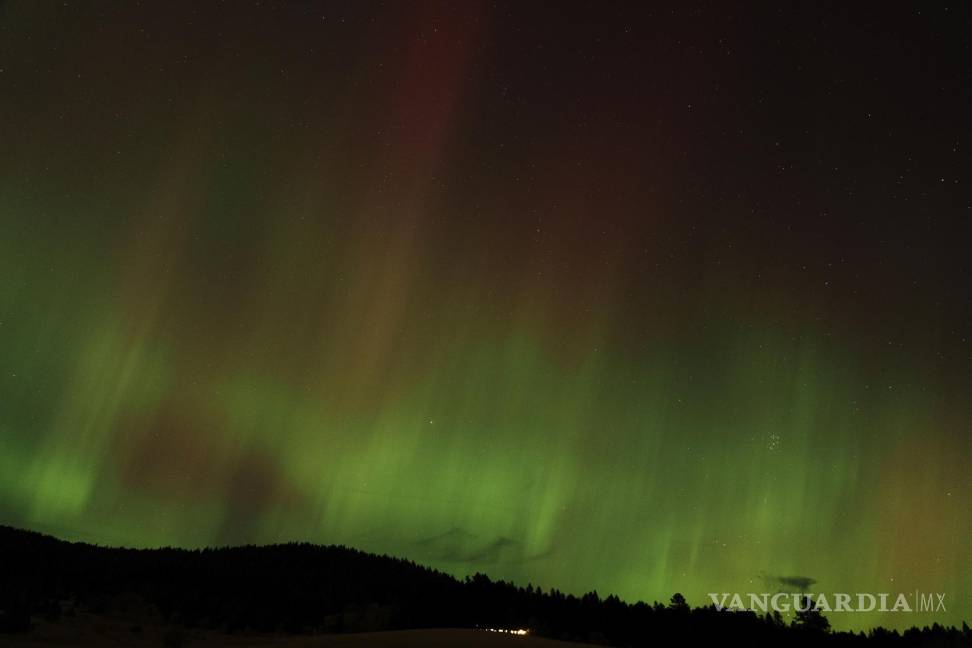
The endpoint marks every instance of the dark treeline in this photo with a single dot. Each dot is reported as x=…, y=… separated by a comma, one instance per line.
x=304, y=588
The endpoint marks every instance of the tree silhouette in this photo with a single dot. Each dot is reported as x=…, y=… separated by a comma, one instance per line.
x=810, y=618
x=303, y=588
x=678, y=602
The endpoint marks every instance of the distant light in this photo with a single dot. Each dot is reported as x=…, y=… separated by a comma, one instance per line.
x=518, y=631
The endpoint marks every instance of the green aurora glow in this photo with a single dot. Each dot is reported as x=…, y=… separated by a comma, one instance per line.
x=251, y=294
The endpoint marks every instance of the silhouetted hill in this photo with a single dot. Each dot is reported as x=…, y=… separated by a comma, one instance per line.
x=304, y=588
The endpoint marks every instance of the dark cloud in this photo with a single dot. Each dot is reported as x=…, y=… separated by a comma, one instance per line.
x=169, y=455
x=455, y=535
x=459, y=546
x=499, y=550
x=789, y=583
x=255, y=487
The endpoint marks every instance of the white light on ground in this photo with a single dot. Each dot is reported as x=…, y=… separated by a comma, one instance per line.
x=517, y=631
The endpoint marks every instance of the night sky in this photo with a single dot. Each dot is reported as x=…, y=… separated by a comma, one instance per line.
x=635, y=298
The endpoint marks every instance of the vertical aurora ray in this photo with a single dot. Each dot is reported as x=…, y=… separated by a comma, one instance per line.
x=416, y=283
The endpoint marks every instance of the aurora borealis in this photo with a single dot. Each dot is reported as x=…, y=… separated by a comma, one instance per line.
x=632, y=298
